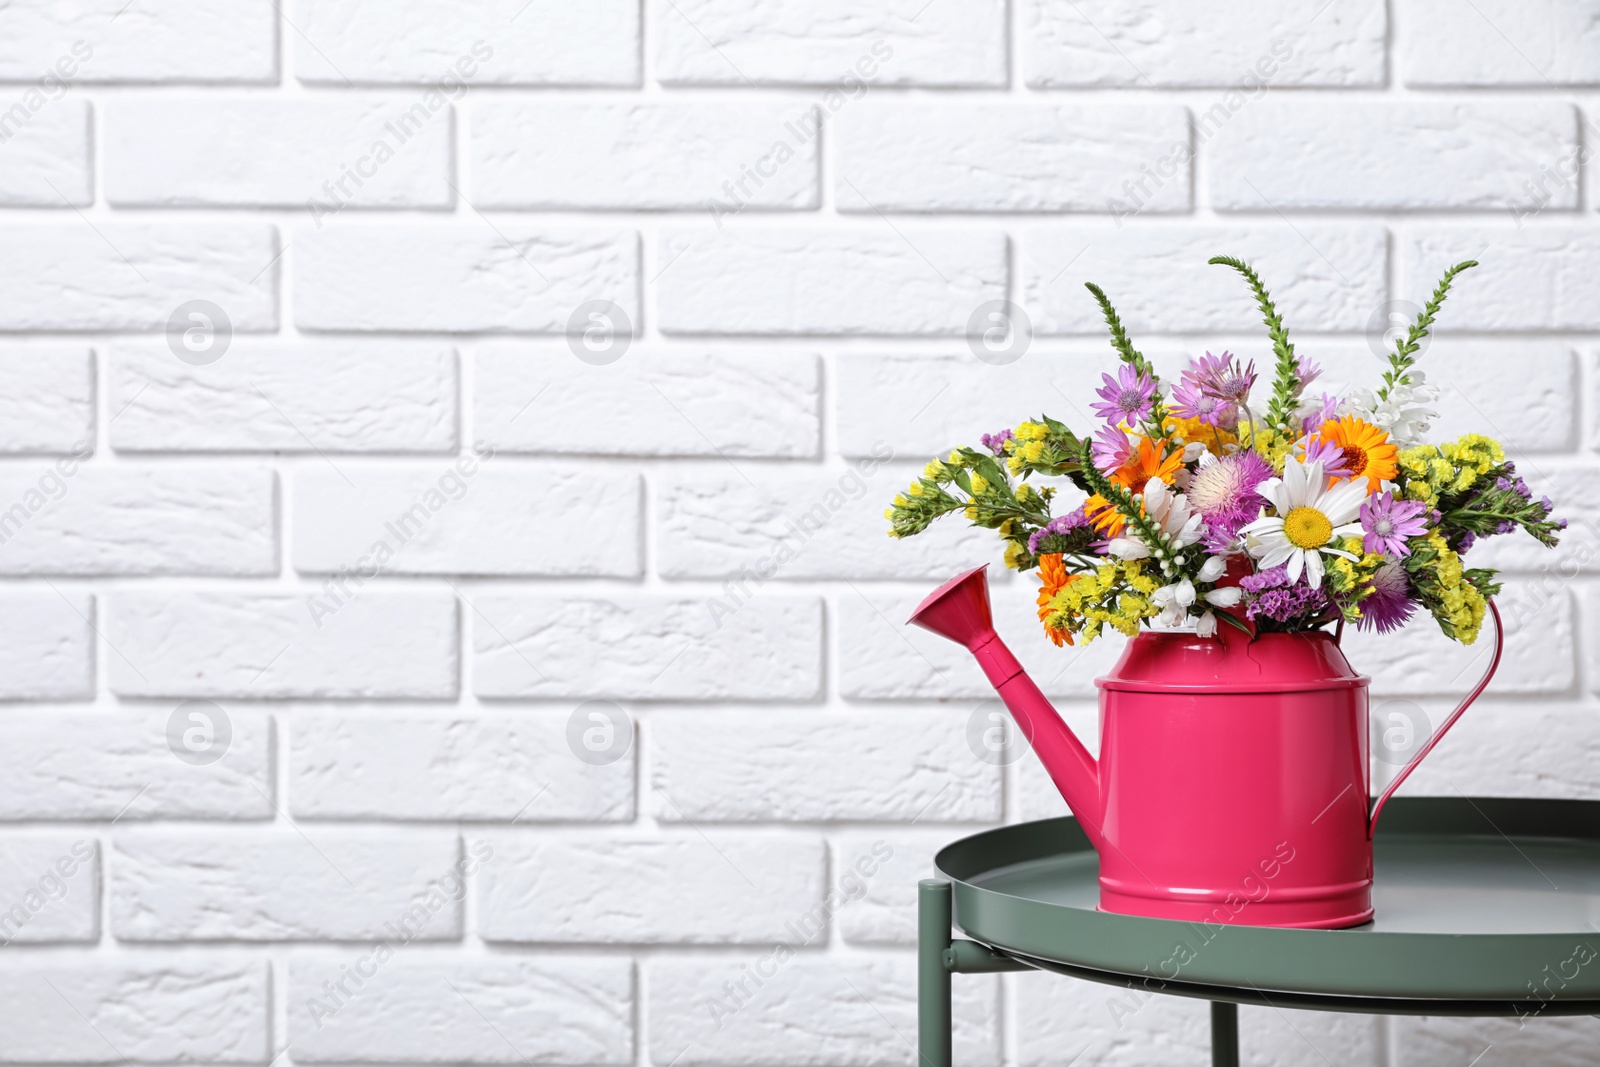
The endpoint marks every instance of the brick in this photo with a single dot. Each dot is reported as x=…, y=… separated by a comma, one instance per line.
x=291, y=884
x=1376, y=154
x=1532, y=278
x=1432, y=1041
x=680, y=404
x=418, y=765
x=551, y=155
x=134, y=276
x=1498, y=748
x=320, y=154
x=677, y=647
x=49, y=888
x=881, y=658
x=831, y=43
x=827, y=524
x=439, y=43
x=896, y=156
x=165, y=41
x=875, y=876
x=150, y=1011
x=63, y=518
x=571, y=1010
x=120, y=766
x=475, y=515
x=273, y=396
x=805, y=1011
x=1107, y=1024
x=1170, y=44
x=717, y=889
x=449, y=278
x=876, y=281
x=1540, y=650
x=374, y=644
x=1538, y=43
x=46, y=399
x=922, y=406
x=46, y=146
x=46, y=645
x=887, y=765
x=1321, y=277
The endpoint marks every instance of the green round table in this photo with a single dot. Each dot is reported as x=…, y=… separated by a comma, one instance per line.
x=1485, y=906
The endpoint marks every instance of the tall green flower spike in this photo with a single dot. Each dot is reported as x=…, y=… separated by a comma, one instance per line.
x=1286, y=376
x=1405, y=352
x=1125, y=350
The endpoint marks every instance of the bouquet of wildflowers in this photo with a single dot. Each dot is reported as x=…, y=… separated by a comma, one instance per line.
x=1199, y=501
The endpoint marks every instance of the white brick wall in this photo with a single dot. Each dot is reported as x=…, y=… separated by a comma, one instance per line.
x=467, y=635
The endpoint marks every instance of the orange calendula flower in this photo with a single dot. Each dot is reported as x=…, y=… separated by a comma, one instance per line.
x=1054, y=578
x=1147, y=461
x=1368, y=452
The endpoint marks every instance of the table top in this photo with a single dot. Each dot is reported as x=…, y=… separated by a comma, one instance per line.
x=1483, y=906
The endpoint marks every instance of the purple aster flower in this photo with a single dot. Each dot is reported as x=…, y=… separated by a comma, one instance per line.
x=996, y=442
x=1389, y=523
x=1548, y=504
x=1307, y=372
x=1112, y=448
x=1468, y=539
x=1188, y=402
x=1061, y=524
x=1330, y=455
x=1327, y=411
x=1389, y=604
x=1269, y=595
x=1127, y=396
x=1222, y=378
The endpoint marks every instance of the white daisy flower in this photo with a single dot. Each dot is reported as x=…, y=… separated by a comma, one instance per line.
x=1310, y=517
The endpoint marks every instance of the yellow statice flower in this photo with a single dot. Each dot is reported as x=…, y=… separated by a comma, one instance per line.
x=1016, y=555
x=979, y=485
x=1430, y=471
x=1182, y=431
x=1115, y=594
x=1031, y=431
x=1273, y=446
x=1464, y=605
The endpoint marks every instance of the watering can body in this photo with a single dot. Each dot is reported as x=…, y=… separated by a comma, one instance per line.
x=1232, y=782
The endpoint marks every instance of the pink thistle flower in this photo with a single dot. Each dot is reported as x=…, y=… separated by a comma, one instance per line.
x=1389, y=523
x=1390, y=603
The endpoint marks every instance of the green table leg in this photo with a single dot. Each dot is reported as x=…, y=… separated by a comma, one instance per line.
x=1224, y=1034
x=933, y=977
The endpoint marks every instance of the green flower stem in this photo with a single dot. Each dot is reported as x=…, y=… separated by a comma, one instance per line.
x=1129, y=355
x=1405, y=352
x=1286, y=376
x=1124, y=502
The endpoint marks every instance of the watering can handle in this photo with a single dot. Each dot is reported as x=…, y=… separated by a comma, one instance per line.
x=1438, y=735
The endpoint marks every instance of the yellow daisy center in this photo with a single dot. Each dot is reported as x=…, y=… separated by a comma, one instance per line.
x=1307, y=528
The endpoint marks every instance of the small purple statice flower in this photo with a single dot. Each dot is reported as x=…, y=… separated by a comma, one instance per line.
x=1126, y=397
x=1389, y=523
x=1389, y=604
x=996, y=442
x=1269, y=595
x=1061, y=524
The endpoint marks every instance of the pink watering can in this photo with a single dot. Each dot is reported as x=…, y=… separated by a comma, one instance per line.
x=1232, y=783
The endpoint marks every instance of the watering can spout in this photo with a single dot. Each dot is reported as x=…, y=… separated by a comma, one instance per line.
x=959, y=610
